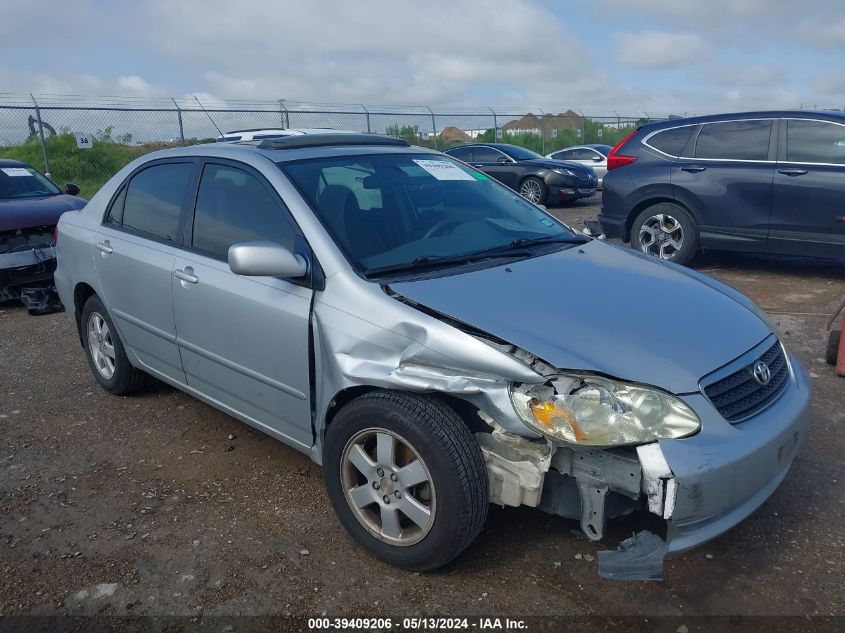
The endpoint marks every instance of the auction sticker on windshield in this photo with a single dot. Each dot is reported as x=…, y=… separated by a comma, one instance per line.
x=444, y=170
x=16, y=171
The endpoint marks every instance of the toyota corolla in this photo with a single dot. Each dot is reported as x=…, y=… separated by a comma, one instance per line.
x=436, y=341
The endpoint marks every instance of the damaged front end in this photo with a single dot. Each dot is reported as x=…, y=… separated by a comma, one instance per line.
x=588, y=485
x=575, y=444
x=27, y=262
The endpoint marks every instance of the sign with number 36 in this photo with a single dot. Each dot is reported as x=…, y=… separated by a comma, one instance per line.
x=84, y=141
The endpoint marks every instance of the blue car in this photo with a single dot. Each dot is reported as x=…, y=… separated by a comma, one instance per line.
x=756, y=182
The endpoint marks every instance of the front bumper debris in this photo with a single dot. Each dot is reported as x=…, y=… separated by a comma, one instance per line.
x=701, y=486
x=26, y=275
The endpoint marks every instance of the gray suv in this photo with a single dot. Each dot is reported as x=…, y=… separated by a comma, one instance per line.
x=435, y=341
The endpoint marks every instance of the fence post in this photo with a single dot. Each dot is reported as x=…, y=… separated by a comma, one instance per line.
x=495, y=126
x=433, y=126
x=542, y=130
x=41, y=136
x=283, y=114
x=368, y=118
x=583, y=126
x=179, y=114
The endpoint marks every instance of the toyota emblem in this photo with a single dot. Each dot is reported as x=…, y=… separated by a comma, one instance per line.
x=761, y=372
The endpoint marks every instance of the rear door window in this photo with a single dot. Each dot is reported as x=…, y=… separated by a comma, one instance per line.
x=461, y=153
x=734, y=140
x=815, y=142
x=672, y=141
x=486, y=155
x=233, y=206
x=154, y=199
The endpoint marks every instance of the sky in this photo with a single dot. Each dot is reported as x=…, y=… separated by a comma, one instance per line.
x=594, y=56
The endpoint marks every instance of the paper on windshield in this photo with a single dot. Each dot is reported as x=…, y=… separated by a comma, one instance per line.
x=444, y=169
x=15, y=171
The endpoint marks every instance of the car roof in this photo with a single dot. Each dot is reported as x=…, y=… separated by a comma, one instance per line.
x=493, y=145
x=8, y=162
x=298, y=147
x=831, y=115
x=582, y=146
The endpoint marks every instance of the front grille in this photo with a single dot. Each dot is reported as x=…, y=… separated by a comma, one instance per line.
x=739, y=395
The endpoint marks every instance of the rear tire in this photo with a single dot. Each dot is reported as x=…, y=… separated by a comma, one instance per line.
x=105, y=352
x=667, y=231
x=371, y=485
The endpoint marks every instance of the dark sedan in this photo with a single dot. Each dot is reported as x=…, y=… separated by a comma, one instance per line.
x=30, y=206
x=538, y=179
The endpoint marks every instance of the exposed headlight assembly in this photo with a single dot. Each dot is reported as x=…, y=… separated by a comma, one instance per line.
x=562, y=171
x=594, y=411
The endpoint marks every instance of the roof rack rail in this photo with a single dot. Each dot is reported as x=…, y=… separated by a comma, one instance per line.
x=329, y=140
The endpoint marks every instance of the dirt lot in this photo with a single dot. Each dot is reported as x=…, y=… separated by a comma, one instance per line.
x=144, y=505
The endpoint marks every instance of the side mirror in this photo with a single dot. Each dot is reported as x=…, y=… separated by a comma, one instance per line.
x=265, y=259
x=503, y=161
x=72, y=189
x=598, y=159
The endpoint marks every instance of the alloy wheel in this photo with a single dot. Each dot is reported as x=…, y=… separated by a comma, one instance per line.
x=388, y=487
x=531, y=190
x=661, y=235
x=100, y=345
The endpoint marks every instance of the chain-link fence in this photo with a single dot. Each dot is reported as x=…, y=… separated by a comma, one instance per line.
x=86, y=140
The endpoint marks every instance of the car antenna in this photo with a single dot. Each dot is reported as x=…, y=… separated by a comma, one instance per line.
x=209, y=116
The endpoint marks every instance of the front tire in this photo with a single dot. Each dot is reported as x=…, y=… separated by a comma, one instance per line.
x=534, y=190
x=406, y=478
x=667, y=231
x=105, y=352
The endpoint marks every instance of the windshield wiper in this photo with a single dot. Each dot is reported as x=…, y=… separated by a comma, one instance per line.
x=514, y=249
x=519, y=245
x=549, y=239
x=422, y=262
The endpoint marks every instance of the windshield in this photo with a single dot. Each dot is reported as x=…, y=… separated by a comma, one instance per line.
x=22, y=181
x=519, y=153
x=604, y=149
x=390, y=210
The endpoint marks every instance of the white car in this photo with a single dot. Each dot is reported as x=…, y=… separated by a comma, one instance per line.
x=265, y=133
x=594, y=156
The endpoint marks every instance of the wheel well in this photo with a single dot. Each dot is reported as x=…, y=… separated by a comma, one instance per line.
x=467, y=411
x=639, y=208
x=81, y=293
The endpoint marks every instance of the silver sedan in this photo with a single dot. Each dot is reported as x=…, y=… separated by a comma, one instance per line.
x=594, y=156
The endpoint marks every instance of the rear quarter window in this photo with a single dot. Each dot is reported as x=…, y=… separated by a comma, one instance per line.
x=672, y=141
x=154, y=199
x=734, y=140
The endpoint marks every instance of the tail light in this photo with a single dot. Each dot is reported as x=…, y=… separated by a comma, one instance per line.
x=56, y=235
x=614, y=159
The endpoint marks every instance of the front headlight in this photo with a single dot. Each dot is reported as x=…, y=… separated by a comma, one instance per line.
x=595, y=411
x=562, y=171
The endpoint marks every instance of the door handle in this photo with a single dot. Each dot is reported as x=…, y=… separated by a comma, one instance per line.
x=186, y=275
x=693, y=169
x=105, y=247
x=792, y=171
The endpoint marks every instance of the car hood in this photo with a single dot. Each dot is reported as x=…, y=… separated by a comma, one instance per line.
x=599, y=308
x=548, y=163
x=22, y=213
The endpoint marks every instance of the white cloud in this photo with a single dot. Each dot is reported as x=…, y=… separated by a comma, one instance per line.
x=827, y=32
x=747, y=75
x=135, y=86
x=659, y=49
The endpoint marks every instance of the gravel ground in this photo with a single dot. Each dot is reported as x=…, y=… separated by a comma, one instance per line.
x=157, y=504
